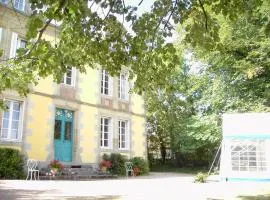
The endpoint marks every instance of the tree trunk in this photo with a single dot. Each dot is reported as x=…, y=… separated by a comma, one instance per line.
x=163, y=152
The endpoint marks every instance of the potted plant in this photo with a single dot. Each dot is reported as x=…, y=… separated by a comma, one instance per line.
x=55, y=167
x=105, y=165
x=136, y=171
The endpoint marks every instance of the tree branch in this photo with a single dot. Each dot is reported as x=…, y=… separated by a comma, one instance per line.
x=140, y=2
x=167, y=22
x=205, y=15
x=43, y=29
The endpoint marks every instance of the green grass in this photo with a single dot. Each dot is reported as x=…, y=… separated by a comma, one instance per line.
x=170, y=168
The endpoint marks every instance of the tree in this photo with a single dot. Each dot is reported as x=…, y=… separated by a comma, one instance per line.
x=92, y=33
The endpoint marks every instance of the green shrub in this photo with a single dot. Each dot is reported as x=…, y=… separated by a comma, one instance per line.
x=200, y=178
x=140, y=164
x=118, y=163
x=11, y=164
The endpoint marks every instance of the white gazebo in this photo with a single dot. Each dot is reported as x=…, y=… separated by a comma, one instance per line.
x=245, y=151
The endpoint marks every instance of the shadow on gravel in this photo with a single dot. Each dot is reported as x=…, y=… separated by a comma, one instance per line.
x=19, y=194
x=9, y=194
x=257, y=197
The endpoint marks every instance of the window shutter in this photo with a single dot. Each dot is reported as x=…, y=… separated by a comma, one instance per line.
x=1, y=30
x=13, y=45
x=128, y=135
x=110, y=85
x=127, y=88
x=73, y=76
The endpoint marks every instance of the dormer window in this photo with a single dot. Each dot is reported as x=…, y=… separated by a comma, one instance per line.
x=19, y=4
x=3, y=1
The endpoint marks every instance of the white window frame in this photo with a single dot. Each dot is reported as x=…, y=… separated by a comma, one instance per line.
x=123, y=87
x=127, y=135
x=104, y=74
x=15, y=42
x=19, y=8
x=110, y=132
x=1, y=33
x=73, y=77
x=257, y=156
x=19, y=43
x=20, y=122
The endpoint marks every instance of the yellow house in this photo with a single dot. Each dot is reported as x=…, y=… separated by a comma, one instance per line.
x=76, y=121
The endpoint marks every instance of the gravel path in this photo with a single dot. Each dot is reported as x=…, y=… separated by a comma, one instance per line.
x=155, y=186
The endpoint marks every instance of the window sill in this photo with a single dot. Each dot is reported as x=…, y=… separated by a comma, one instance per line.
x=10, y=142
x=108, y=96
x=124, y=150
x=124, y=100
x=67, y=85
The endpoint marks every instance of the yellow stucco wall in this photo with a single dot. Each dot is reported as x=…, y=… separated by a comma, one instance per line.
x=41, y=134
x=88, y=135
x=137, y=104
x=89, y=86
x=138, y=137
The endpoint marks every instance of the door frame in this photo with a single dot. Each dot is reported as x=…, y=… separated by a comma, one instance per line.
x=62, y=134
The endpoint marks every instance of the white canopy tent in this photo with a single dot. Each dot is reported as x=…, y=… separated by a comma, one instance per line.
x=245, y=151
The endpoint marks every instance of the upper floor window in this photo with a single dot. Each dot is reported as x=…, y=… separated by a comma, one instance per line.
x=106, y=83
x=21, y=43
x=19, y=4
x=69, y=76
x=123, y=87
x=4, y=1
x=105, y=132
x=123, y=131
x=11, y=121
x=16, y=43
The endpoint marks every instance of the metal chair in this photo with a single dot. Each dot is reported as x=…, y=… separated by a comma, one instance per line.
x=32, y=169
x=129, y=168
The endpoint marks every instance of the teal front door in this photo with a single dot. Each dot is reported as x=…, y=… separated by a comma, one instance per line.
x=63, y=134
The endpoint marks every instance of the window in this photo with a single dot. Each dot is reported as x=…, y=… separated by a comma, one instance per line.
x=123, y=134
x=21, y=43
x=19, y=4
x=1, y=31
x=248, y=155
x=69, y=76
x=4, y=1
x=16, y=43
x=105, y=132
x=106, y=83
x=11, y=121
x=123, y=87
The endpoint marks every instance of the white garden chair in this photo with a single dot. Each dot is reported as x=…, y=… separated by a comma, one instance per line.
x=32, y=169
x=129, y=168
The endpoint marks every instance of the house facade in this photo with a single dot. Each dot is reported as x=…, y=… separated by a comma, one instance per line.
x=76, y=121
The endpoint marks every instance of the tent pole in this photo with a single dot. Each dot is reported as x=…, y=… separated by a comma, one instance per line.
x=219, y=148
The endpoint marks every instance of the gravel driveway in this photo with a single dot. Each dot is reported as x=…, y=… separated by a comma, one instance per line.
x=155, y=186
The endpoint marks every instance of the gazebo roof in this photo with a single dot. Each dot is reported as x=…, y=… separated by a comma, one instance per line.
x=246, y=125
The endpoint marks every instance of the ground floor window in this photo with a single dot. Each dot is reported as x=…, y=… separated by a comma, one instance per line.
x=123, y=134
x=105, y=132
x=11, y=121
x=248, y=155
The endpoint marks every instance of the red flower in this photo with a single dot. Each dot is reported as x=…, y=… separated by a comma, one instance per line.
x=136, y=171
x=105, y=163
x=56, y=164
